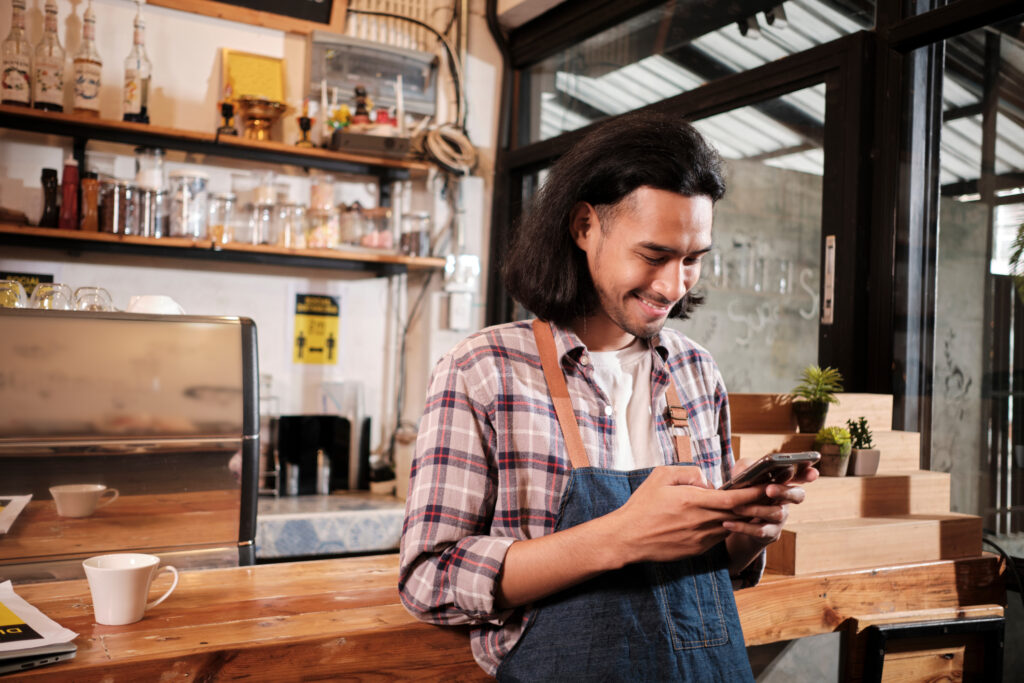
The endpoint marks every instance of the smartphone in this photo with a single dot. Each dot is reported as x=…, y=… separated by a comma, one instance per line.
x=776, y=468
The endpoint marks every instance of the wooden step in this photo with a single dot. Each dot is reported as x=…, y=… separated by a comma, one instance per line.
x=877, y=408
x=874, y=542
x=774, y=413
x=881, y=495
x=900, y=450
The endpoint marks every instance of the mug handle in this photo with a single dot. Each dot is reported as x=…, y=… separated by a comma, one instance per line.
x=169, y=590
x=109, y=500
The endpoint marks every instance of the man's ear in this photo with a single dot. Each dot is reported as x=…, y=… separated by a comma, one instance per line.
x=583, y=221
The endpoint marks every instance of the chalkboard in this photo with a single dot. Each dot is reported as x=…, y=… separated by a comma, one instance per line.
x=297, y=16
x=310, y=10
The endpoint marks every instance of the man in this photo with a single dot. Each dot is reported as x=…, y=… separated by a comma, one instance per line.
x=563, y=497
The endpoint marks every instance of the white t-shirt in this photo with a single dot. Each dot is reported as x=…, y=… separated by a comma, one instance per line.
x=625, y=377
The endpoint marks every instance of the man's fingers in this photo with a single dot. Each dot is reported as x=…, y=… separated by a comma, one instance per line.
x=690, y=475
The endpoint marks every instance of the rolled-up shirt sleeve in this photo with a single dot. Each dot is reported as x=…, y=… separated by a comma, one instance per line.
x=449, y=561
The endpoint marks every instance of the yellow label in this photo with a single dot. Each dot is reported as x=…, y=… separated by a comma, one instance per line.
x=9, y=618
x=316, y=330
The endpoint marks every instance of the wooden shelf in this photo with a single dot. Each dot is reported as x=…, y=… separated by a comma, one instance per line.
x=381, y=263
x=85, y=128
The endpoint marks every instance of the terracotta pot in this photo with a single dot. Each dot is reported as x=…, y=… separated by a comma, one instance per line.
x=810, y=415
x=834, y=459
x=863, y=462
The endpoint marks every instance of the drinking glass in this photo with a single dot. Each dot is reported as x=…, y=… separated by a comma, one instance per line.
x=12, y=294
x=93, y=299
x=52, y=296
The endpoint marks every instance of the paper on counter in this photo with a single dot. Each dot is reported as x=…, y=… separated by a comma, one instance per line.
x=10, y=508
x=22, y=626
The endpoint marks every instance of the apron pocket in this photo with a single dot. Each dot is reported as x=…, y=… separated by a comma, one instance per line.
x=691, y=601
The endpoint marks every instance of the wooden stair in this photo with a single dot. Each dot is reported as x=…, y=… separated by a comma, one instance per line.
x=864, y=542
x=899, y=515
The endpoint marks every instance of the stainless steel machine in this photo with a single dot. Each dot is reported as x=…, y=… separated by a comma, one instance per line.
x=157, y=415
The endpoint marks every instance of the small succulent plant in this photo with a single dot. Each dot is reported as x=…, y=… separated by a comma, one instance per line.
x=819, y=385
x=860, y=435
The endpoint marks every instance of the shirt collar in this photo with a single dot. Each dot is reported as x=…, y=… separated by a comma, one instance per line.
x=570, y=347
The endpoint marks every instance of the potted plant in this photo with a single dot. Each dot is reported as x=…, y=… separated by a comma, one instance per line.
x=817, y=388
x=863, y=454
x=834, y=445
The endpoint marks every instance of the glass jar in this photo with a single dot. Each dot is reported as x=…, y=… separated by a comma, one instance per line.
x=291, y=230
x=221, y=219
x=322, y=229
x=264, y=224
x=415, y=238
x=266, y=192
x=151, y=212
x=189, y=204
x=379, y=233
x=117, y=207
x=321, y=193
x=149, y=168
x=352, y=225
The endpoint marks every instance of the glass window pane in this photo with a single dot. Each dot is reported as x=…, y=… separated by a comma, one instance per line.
x=760, y=318
x=670, y=50
x=978, y=370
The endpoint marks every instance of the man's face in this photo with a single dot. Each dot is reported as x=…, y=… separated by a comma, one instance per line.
x=644, y=257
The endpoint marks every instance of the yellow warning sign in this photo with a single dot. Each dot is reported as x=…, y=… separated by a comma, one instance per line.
x=316, y=330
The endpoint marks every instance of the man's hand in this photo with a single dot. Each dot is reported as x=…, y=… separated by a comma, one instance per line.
x=761, y=523
x=674, y=514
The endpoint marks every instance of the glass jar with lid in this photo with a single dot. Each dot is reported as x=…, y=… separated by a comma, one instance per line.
x=322, y=228
x=189, y=210
x=222, y=216
x=264, y=224
x=378, y=233
x=291, y=230
x=415, y=237
x=149, y=168
x=321, y=193
x=117, y=207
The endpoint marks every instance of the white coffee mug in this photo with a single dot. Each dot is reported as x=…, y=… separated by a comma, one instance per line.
x=81, y=500
x=119, y=584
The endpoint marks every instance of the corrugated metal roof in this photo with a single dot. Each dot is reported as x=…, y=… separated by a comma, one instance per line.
x=579, y=99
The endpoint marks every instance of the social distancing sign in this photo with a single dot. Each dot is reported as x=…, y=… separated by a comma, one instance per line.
x=316, y=329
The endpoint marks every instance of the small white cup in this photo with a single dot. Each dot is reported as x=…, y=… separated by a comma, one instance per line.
x=80, y=500
x=119, y=584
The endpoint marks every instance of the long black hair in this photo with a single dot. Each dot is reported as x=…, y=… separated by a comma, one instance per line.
x=544, y=270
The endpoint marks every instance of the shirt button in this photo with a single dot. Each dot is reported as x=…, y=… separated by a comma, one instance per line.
x=608, y=410
x=584, y=360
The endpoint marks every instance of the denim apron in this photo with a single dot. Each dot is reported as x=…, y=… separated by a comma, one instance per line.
x=649, y=621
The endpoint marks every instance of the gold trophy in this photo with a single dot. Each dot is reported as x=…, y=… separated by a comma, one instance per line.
x=259, y=115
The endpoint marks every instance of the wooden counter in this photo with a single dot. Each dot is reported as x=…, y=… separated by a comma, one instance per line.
x=342, y=619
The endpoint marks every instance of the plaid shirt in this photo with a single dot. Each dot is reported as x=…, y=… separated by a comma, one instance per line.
x=491, y=465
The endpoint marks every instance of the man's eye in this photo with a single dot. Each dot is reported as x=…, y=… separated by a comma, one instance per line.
x=692, y=260
x=653, y=260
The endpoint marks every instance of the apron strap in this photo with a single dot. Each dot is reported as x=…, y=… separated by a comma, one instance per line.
x=680, y=424
x=560, y=394
x=567, y=418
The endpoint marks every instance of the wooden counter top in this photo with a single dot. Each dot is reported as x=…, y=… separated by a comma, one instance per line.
x=343, y=619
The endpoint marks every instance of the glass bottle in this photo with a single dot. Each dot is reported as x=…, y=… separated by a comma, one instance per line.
x=137, y=69
x=50, y=210
x=48, y=73
x=88, y=66
x=17, y=64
